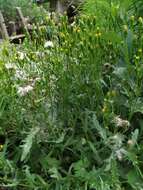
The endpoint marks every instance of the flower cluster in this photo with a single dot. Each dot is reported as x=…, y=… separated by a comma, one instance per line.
x=121, y=122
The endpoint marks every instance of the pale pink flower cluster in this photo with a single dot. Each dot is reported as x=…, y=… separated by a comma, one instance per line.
x=19, y=73
x=120, y=153
x=22, y=91
x=121, y=122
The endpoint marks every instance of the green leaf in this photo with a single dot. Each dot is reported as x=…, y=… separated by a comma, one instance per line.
x=100, y=130
x=28, y=143
x=135, y=135
x=95, y=151
x=54, y=173
x=137, y=106
x=60, y=139
x=113, y=37
x=80, y=168
x=120, y=72
x=133, y=178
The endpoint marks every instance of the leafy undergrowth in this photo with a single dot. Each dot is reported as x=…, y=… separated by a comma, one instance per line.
x=71, y=109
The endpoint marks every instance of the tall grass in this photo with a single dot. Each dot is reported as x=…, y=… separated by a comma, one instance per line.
x=71, y=108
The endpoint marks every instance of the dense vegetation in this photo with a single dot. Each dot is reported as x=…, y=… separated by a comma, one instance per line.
x=29, y=9
x=71, y=102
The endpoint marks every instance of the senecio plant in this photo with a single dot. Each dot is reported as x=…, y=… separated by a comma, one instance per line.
x=71, y=106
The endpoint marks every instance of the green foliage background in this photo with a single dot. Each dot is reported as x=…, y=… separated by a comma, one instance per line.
x=28, y=8
x=79, y=127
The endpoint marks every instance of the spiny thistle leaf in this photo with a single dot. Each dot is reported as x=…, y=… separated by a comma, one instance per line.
x=100, y=130
x=28, y=143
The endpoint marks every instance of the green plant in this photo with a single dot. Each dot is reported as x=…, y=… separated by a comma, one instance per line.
x=29, y=9
x=71, y=106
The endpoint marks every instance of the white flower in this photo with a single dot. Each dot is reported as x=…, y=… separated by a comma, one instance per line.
x=120, y=153
x=73, y=24
x=116, y=141
x=48, y=44
x=21, y=55
x=19, y=74
x=120, y=122
x=40, y=54
x=10, y=66
x=22, y=91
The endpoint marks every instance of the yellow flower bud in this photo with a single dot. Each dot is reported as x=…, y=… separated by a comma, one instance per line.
x=104, y=109
x=113, y=93
x=109, y=43
x=1, y=147
x=137, y=57
x=132, y=18
x=140, y=19
x=98, y=29
x=109, y=93
x=125, y=28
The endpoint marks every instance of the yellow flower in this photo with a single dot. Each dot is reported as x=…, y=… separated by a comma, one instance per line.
x=125, y=28
x=113, y=93
x=104, y=109
x=98, y=34
x=74, y=29
x=109, y=43
x=62, y=34
x=1, y=147
x=140, y=50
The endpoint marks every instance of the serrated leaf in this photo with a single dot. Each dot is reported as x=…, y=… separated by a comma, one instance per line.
x=60, y=139
x=135, y=135
x=54, y=173
x=100, y=130
x=137, y=106
x=120, y=72
x=28, y=143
